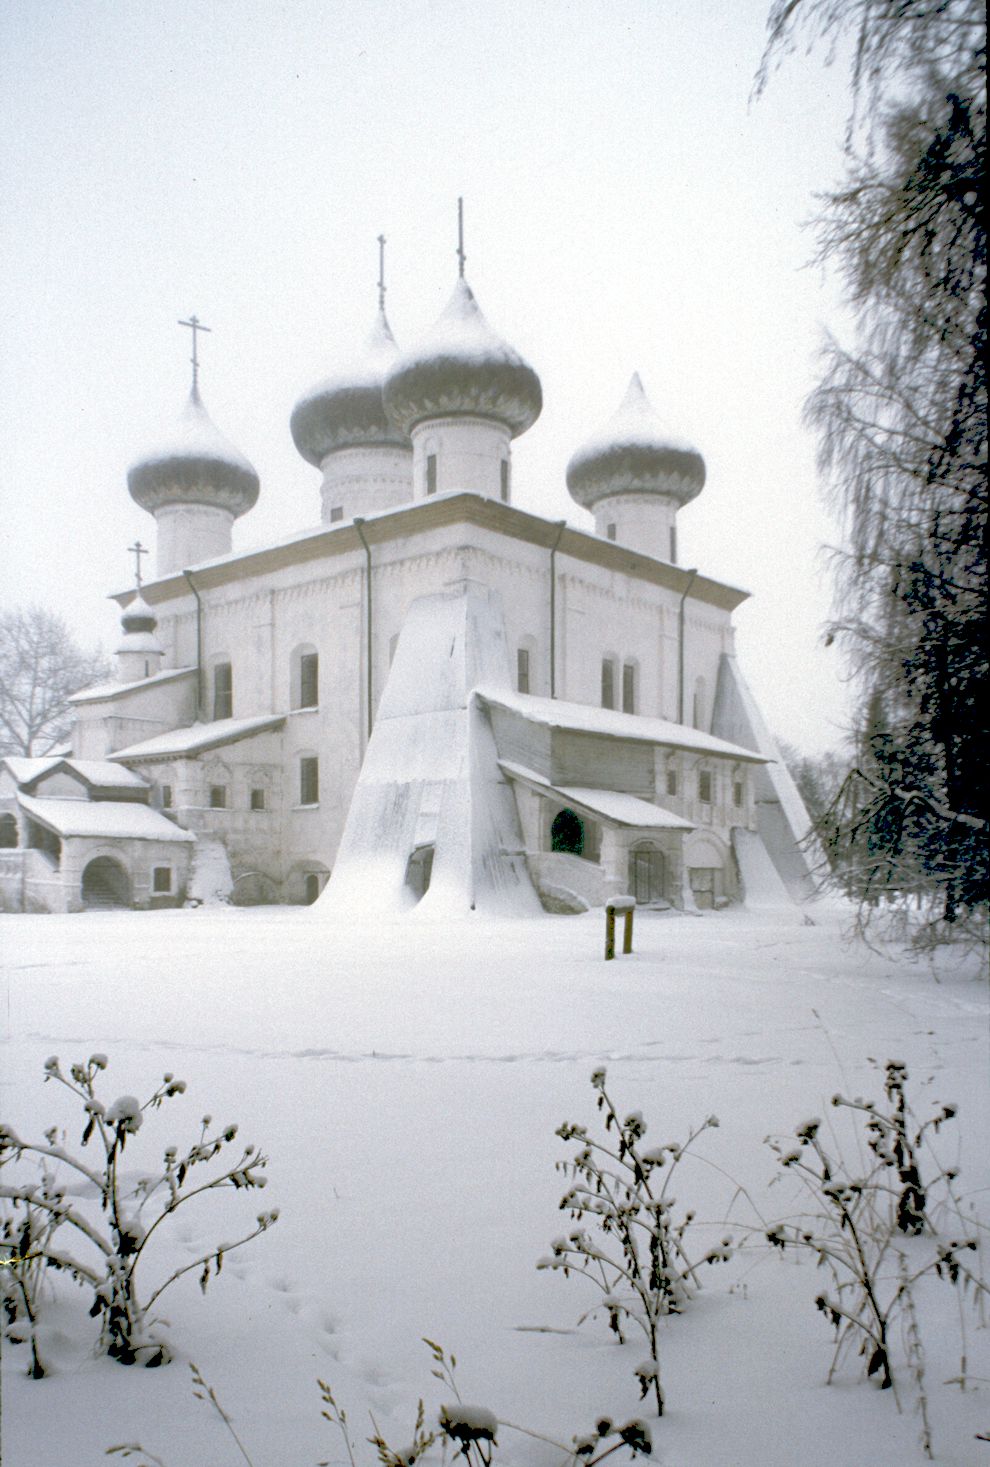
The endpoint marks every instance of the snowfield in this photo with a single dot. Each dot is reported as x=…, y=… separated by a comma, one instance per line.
x=406, y=1081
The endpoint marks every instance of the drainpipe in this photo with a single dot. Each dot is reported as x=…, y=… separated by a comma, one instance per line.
x=199, y=646
x=561, y=527
x=359, y=526
x=680, y=644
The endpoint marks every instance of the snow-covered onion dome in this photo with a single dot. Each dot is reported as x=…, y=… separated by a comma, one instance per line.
x=140, y=653
x=634, y=476
x=341, y=427
x=196, y=484
x=463, y=394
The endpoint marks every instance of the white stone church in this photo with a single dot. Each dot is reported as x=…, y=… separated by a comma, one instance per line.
x=436, y=699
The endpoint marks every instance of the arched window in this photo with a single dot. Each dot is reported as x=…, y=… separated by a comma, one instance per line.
x=305, y=677
x=608, y=682
x=223, y=688
x=309, y=779
x=700, y=711
x=8, y=832
x=630, y=679
x=567, y=833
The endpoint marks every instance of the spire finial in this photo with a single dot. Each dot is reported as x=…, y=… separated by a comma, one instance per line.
x=137, y=550
x=195, y=325
x=381, y=272
x=461, y=257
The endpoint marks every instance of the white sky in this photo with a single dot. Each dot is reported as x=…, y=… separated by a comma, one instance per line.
x=626, y=209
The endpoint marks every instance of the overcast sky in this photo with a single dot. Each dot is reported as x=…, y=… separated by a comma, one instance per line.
x=627, y=209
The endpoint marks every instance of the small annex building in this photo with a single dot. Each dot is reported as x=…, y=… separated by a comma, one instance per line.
x=434, y=696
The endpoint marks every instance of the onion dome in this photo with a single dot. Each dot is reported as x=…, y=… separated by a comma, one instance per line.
x=463, y=369
x=633, y=454
x=194, y=464
x=138, y=623
x=346, y=410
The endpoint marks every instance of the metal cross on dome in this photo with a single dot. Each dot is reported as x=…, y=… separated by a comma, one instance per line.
x=137, y=550
x=461, y=256
x=381, y=272
x=195, y=325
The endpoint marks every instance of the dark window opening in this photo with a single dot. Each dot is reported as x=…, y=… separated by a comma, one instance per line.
x=419, y=871
x=608, y=683
x=336, y=514
x=166, y=797
x=504, y=468
x=312, y=887
x=223, y=691
x=672, y=781
x=309, y=780
x=673, y=544
x=567, y=834
x=737, y=793
x=522, y=670
x=40, y=838
x=704, y=787
x=309, y=680
x=161, y=879
x=8, y=832
x=431, y=473
x=258, y=801
x=629, y=688
x=610, y=531
x=105, y=883
x=218, y=797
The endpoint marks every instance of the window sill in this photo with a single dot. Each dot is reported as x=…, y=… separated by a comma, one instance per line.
x=310, y=708
x=315, y=806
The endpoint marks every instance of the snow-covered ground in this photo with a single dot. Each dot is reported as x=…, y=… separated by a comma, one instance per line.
x=406, y=1081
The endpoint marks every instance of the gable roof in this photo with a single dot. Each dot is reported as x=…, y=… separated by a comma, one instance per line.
x=198, y=737
x=96, y=774
x=611, y=806
x=100, y=692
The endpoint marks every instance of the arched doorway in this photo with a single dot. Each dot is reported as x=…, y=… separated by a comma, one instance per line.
x=105, y=883
x=567, y=833
x=419, y=871
x=647, y=874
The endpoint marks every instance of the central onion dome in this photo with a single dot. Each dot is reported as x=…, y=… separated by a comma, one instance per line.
x=193, y=464
x=346, y=409
x=633, y=454
x=462, y=368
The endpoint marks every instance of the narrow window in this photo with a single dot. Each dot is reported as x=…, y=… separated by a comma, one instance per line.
x=610, y=531
x=218, y=797
x=166, y=797
x=431, y=473
x=309, y=680
x=504, y=467
x=608, y=683
x=258, y=799
x=309, y=780
x=8, y=832
x=673, y=544
x=672, y=781
x=311, y=887
x=161, y=879
x=737, y=793
x=223, y=690
x=629, y=688
x=522, y=670
x=336, y=514
x=705, y=786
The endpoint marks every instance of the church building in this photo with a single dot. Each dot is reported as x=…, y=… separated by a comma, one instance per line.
x=436, y=698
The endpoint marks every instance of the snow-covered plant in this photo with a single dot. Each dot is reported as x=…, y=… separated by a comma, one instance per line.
x=203, y=1392
x=636, y=1257
x=872, y=1229
x=99, y=1238
x=25, y=1235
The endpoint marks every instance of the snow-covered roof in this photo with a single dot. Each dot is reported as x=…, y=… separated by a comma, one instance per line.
x=346, y=409
x=463, y=366
x=25, y=768
x=101, y=691
x=200, y=737
x=586, y=718
x=111, y=819
x=633, y=453
x=613, y=806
